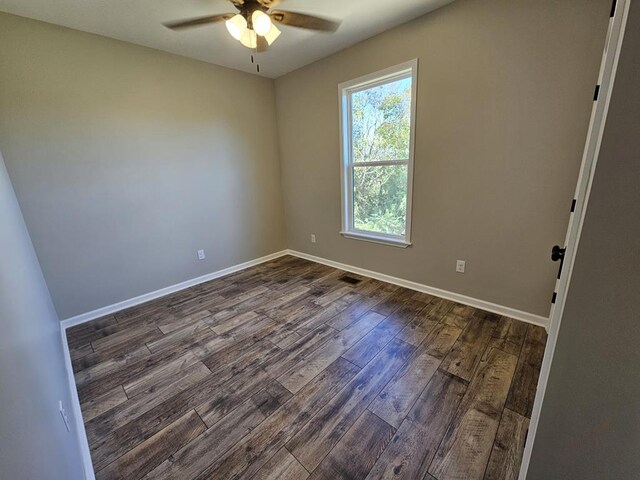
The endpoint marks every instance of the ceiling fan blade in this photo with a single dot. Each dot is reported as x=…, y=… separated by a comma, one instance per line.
x=269, y=3
x=302, y=20
x=196, y=22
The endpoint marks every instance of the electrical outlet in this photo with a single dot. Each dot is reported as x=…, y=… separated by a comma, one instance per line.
x=201, y=255
x=65, y=418
x=313, y=238
x=460, y=264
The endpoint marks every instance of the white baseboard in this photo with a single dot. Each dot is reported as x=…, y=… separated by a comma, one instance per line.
x=78, y=422
x=132, y=302
x=456, y=297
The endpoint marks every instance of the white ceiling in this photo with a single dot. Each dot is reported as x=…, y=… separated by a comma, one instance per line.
x=140, y=21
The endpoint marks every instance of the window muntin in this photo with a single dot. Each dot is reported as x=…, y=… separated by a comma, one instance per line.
x=377, y=124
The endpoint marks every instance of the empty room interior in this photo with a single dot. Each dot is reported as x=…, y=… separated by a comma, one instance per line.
x=339, y=240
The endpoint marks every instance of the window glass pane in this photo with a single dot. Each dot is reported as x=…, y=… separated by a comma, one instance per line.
x=380, y=198
x=380, y=122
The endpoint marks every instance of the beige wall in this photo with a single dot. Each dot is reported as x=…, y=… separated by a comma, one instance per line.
x=590, y=421
x=34, y=443
x=126, y=160
x=504, y=98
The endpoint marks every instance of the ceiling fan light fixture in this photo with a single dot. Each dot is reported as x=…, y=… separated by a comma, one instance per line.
x=272, y=34
x=261, y=22
x=237, y=26
x=249, y=38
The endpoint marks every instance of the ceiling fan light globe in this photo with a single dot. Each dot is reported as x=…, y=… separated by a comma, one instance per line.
x=261, y=22
x=272, y=34
x=249, y=39
x=236, y=26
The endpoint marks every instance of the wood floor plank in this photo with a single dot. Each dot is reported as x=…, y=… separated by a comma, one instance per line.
x=294, y=313
x=359, y=307
x=231, y=354
x=172, y=322
x=261, y=325
x=79, y=353
x=283, y=337
x=299, y=375
x=394, y=302
x=252, y=304
x=408, y=309
x=441, y=339
x=242, y=294
x=368, y=346
x=163, y=374
x=296, y=353
x=467, y=352
x=331, y=297
x=466, y=447
x=87, y=332
x=96, y=406
x=417, y=330
x=395, y=401
x=112, y=419
x=180, y=335
x=456, y=314
x=104, y=362
x=138, y=461
x=282, y=466
x=271, y=398
x=234, y=322
x=130, y=336
x=509, y=335
x=357, y=451
x=414, y=445
x=506, y=456
x=328, y=312
x=525, y=381
x=321, y=434
x=104, y=376
x=250, y=454
x=249, y=379
x=147, y=308
x=193, y=459
x=282, y=298
x=215, y=395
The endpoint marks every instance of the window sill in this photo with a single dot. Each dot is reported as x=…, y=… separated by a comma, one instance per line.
x=376, y=239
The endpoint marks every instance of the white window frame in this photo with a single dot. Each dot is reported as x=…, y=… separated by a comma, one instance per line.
x=345, y=90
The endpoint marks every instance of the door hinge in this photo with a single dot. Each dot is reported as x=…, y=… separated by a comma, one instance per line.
x=553, y=297
x=596, y=93
x=614, y=3
x=573, y=205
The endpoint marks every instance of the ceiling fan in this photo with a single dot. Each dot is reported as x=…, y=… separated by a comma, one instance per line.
x=254, y=25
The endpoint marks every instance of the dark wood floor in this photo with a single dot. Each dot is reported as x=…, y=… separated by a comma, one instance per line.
x=295, y=370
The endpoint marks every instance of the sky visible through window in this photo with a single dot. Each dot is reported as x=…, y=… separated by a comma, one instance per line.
x=380, y=129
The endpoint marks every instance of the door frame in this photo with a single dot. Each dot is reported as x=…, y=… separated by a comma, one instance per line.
x=602, y=98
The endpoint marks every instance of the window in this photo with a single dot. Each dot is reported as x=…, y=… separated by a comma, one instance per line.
x=377, y=115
